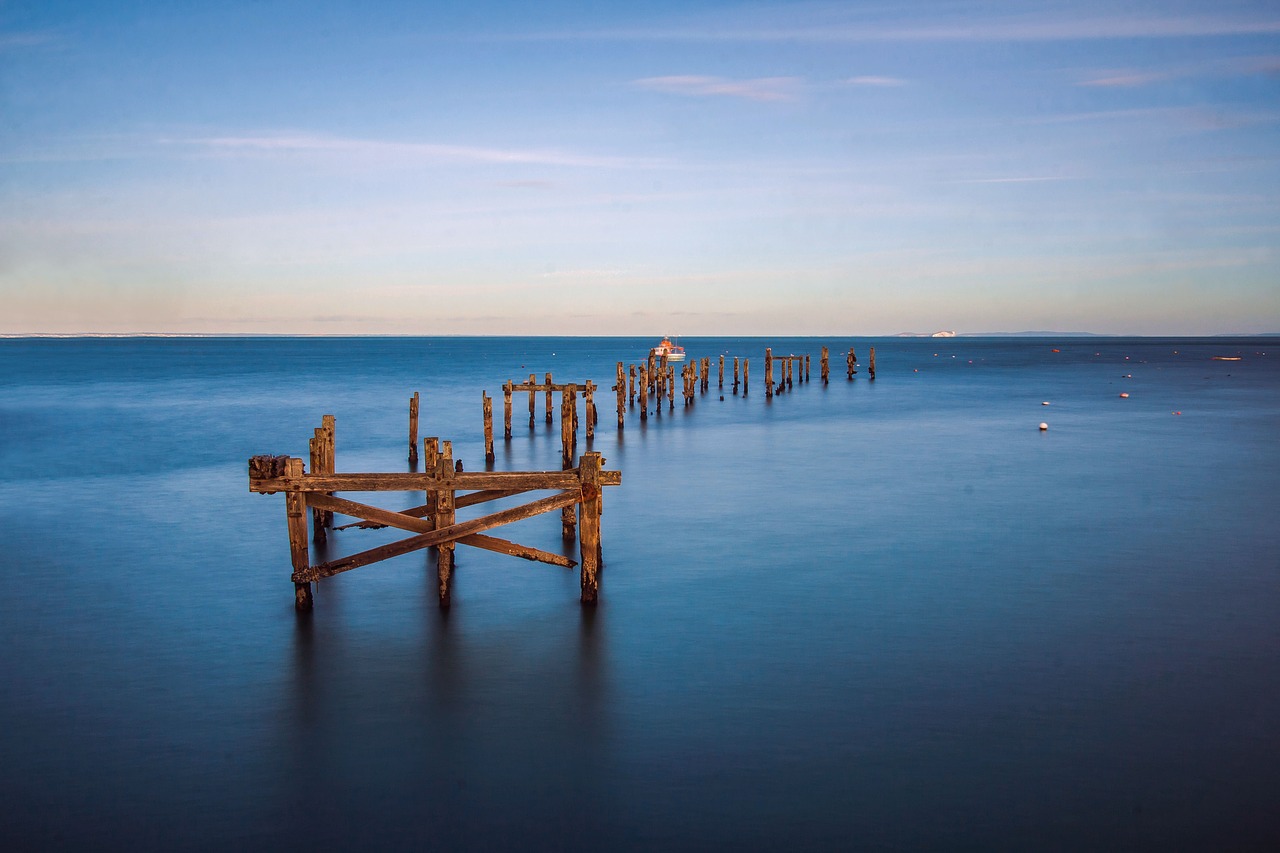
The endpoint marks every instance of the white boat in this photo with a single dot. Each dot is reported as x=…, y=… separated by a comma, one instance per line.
x=670, y=350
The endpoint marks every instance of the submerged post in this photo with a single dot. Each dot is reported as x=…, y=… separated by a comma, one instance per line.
x=533, y=396
x=548, y=397
x=768, y=371
x=621, y=389
x=295, y=503
x=413, y=427
x=589, y=511
x=506, y=408
x=444, y=517
x=487, y=406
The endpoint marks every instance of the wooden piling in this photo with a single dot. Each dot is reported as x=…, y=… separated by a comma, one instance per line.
x=487, y=403
x=548, y=397
x=413, y=428
x=644, y=393
x=296, y=510
x=444, y=517
x=317, y=450
x=721, y=385
x=533, y=396
x=589, y=511
x=706, y=373
x=768, y=372
x=621, y=389
x=871, y=366
x=589, y=408
x=506, y=409
x=849, y=361
x=631, y=385
x=671, y=386
x=566, y=430
x=735, y=374
x=825, y=366
x=806, y=367
x=746, y=375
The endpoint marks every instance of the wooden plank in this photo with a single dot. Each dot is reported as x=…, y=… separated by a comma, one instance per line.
x=408, y=482
x=443, y=535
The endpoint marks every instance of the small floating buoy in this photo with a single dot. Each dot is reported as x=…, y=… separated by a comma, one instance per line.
x=1177, y=413
x=1043, y=426
x=1057, y=350
x=1124, y=394
x=1045, y=403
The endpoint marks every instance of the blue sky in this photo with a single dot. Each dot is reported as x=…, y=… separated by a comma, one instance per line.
x=639, y=168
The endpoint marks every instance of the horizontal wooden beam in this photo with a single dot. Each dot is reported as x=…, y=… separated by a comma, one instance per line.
x=452, y=533
x=469, y=481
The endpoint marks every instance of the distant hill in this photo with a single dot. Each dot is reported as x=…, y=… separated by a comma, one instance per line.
x=1038, y=334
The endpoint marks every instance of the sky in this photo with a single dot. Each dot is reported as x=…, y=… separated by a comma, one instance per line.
x=639, y=168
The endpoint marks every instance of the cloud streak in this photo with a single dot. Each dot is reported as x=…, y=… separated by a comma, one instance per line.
x=415, y=152
x=758, y=89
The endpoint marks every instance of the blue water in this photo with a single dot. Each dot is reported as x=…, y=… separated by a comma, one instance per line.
x=889, y=615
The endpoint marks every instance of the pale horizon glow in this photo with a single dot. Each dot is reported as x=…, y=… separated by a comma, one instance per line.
x=820, y=168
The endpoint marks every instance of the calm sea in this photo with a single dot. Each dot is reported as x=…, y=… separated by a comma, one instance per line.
x=889, y=615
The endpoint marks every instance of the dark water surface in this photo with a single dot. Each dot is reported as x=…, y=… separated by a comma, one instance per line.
x=889, y=615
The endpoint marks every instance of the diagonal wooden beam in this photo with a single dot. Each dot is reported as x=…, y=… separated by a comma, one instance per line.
x=452, y=533
x=502, y=546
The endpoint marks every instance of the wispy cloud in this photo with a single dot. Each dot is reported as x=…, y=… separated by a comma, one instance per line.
x=837, y=23
x=15, y=40
x=758, y=89
x=872, y=80
x=1239, y=66
x=421, y=152
x=1123, y=80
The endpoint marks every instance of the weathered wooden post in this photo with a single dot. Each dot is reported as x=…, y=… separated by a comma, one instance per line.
x=791, y=372
x=589, y=512
x=589, y=408
x=746, y=374
x=653, y=364
x=487, y=403
x=735, y=374
x=533, y=396
x=413, y=427
x=721, y=385
x=621, y=388
x=768, y=372
x=548, y=397
x=825, y=365
x=295, y=503
x=671, y=386
x=871, y=366
x=631, y=385
x=444, y=517
x=506, y=409
x=566, y=429
x=849, y=361
x=330, y=457
x=807, y=363
x=644, y=393
x=706, y=373
x=319, y=457
x=430, y=460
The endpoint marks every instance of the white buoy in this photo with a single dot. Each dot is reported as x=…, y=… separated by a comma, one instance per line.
x=1043, y=426
x=1045, y=403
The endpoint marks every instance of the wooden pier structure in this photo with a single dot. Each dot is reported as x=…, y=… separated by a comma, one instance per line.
x=433, y=524
x=577, y=487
